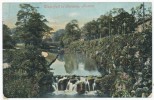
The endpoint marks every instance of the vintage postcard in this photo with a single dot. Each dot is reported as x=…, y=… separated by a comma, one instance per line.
x=77, y=49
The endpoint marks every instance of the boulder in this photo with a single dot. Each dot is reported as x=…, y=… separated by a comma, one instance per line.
x=81, y=87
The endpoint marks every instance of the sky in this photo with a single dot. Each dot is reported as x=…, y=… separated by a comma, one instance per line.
x=59, y=14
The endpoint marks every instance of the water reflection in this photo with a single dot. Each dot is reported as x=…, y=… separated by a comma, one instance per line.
x=81, y=71
x=59, y=68
x=75, y=64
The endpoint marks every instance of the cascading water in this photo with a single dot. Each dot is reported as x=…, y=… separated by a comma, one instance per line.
x=72, y=86
x=94, y=85
x=55, y=87
x=87, y=85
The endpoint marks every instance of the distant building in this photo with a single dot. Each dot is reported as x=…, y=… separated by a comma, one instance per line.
x=140, y=24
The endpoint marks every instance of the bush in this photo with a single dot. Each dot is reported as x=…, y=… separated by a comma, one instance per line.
x=28, y=66
x=130, y=54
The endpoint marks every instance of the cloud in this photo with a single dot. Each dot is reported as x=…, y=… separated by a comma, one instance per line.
x=10, y=22
x=73, y=14
x=58, y=25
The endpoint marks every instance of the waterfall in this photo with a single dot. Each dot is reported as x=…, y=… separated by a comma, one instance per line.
x=75, y=84
x=74, y=87
x=69, y=86
x=94, y=85
x=87, y=85
x=55, y=88
x=61, y=84
x=55, y=84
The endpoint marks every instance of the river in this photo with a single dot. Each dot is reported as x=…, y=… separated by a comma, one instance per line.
x=74, y=65
x=66, y=94
x=69, y=65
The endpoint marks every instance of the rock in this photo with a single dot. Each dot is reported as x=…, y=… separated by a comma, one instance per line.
x=81, y=87
x=44, y=54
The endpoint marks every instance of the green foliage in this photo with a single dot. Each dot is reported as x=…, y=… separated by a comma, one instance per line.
x=28, y=66
x=115, y=53
x=18, y=86
x=129, y=53
x=8, y=42
x=123, y=93
x=7, y=55
x=72, y=32
x=31, y=24
x=45, y=83
x=119, y=20
x=138, y=12
x=29, y=60
x=58, y=35
x=90, y=30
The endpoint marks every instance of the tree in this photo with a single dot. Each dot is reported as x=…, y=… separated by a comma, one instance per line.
x=90, y=30
x=117, y=11
x=28, y=66
x=72, y=32
x=72, y=29
x=30, y=61
x=104, y=31
x=104, y=22
x=124, y=23
x=7, y=39
x=58, y=35
x=32, y=25
x=141, y=12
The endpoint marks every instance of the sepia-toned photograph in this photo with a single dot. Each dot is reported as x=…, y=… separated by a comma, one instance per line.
x=77, y=49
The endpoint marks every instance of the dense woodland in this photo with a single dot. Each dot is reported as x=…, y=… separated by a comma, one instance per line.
x=122, y=54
